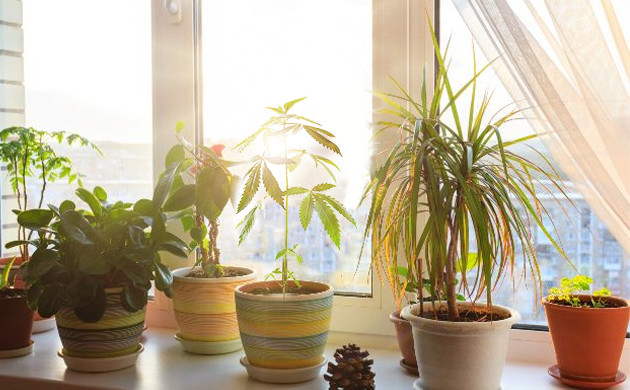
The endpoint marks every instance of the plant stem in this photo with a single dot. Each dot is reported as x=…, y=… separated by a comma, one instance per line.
x=285, y=265
x=451, y=260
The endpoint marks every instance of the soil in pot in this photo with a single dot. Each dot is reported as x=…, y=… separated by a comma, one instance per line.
x=476, y=315
x=228, y=272
x=17, y=320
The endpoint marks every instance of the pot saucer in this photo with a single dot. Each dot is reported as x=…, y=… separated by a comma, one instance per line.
x=100, y=364
x=209, y=347
x=408, y=367
x=554, y=371
x=417, y=385
x=291, y=375
x=43, y=325
x=11, y=353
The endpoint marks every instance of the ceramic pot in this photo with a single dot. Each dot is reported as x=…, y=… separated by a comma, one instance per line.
x=588, y=341
x=117, y=333
x=204, y=307
x=460, y=355
x=17, y=320
x=284, y=332
x=405, y=342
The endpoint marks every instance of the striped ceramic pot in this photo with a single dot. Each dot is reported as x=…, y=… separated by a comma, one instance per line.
x=117, y=333
x=284, y=332
x=204, y=307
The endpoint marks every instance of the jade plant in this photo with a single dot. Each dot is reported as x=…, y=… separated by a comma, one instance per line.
x=285, y=128
x=79, y=253
x=29, y=154
x=451, y=183
x=201, y=185
x=570, y=288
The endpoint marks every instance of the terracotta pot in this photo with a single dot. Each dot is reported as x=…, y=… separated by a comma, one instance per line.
x=284, y=332
x=117, y=333
x=17, y=320
x=205, y=308
x=588, y=341
x=460, y=355
x=405, y=341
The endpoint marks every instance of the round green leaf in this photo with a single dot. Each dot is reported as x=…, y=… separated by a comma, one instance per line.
x=35, y=218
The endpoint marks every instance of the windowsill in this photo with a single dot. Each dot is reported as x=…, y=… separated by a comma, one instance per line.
x=163, y=365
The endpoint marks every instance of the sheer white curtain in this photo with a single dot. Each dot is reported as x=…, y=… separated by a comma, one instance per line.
x=567, y=65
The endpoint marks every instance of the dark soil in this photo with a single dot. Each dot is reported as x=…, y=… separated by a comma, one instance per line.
x=198, y=273
x=291, y=290
x=12, y=293
x=588, y=304
x=465, y=316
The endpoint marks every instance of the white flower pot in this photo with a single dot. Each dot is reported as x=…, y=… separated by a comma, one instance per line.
x=460, y=355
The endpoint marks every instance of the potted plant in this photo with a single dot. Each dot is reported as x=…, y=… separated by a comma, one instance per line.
x=588, y=333
x=17, y=318
x=30, y=159
x=93, y=269
x=203, y=295
x=457, y=175
x=284, y=321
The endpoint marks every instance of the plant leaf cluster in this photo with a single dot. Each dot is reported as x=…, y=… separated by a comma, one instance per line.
x=450, y=184
x=569, y=289
x=284, y=126
x=81, y=252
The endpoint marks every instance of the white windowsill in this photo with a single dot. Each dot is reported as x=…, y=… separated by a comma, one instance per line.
x=163, y=365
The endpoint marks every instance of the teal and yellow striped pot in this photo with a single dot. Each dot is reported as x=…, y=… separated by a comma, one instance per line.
x=284, y=332
x=117, y=333
x=204, y=307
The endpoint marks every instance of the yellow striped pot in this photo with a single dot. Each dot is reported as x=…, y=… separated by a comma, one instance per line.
x=117, y=333
x=284, y=332
x=204, y=307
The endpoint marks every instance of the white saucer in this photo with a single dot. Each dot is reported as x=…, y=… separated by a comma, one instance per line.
x=292, y=375
x=100, y=364
x=209, y=347
x=10, y=353
x=43, y=325
x=417, y=385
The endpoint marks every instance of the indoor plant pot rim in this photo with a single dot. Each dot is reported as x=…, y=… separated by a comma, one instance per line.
x=410, y=313
x=327, y=291
x=180, y=275
x=558, y=306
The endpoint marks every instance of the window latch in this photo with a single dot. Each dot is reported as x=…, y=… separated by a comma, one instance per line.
x=173, y=11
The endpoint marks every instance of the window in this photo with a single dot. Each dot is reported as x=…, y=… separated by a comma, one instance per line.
x=585, y=238
x=291, y=49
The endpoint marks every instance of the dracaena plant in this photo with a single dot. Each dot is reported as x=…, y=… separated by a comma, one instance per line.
x=201, y=184
x=285, y=127
x=449, y=184
x=79, y=253
x=29, y=154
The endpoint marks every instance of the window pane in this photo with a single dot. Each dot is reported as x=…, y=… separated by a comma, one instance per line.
x=585, y=238
x=265, y=53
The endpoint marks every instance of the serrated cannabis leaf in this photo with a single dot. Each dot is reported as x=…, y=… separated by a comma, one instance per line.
x=322, y=140
x=295, y=191
x=246, y=224
x=328, y=218
x=306, y=211
x=271, y=185
x=339, y=207
x=251, y=186
x=323, y=187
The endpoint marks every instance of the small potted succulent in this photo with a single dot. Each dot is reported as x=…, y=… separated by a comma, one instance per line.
x=588, y=332
x=17, y=317
x=30, y=158
x=284, y=321
x=452, y=184
x=203, y=295
x=92, y=269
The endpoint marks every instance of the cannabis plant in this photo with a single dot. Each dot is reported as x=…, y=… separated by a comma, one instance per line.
x=285, y=127
x=200, y=182
x=450, y=184
x=29, y=154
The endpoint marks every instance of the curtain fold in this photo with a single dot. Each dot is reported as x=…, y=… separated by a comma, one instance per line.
x=566, y=63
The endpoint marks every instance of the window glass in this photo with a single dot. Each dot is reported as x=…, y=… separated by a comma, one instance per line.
x=585, y=238
x=265, y=53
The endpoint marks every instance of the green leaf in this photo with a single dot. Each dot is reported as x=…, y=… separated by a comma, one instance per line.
x=100, y=194
x=42, y=261
x=295, y=191
x=306, y=211
x=198, y=233
x=92, y=264
x=322, y=140
x=328, y=218
x=164, y=184
x=246, y=224
x=144, y=207
x=212, y=192
x=91, y=200
x=175, y=155
x=251, y=186
x=32, y=297
x=51, y=300
x=68, y=205
x=163, y=279
x=182, y=198
x=35, y=218
x=323, y=187
x=271, y=185
x=339, y=207
x=15, y=243
x=176, y=248
x=288, y=105
x=76, y=227
x=4, y=277
x=93, y=310
x=179, y=126
x=133, y=298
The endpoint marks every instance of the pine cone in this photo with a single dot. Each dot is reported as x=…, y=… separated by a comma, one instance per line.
x=352, y=371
